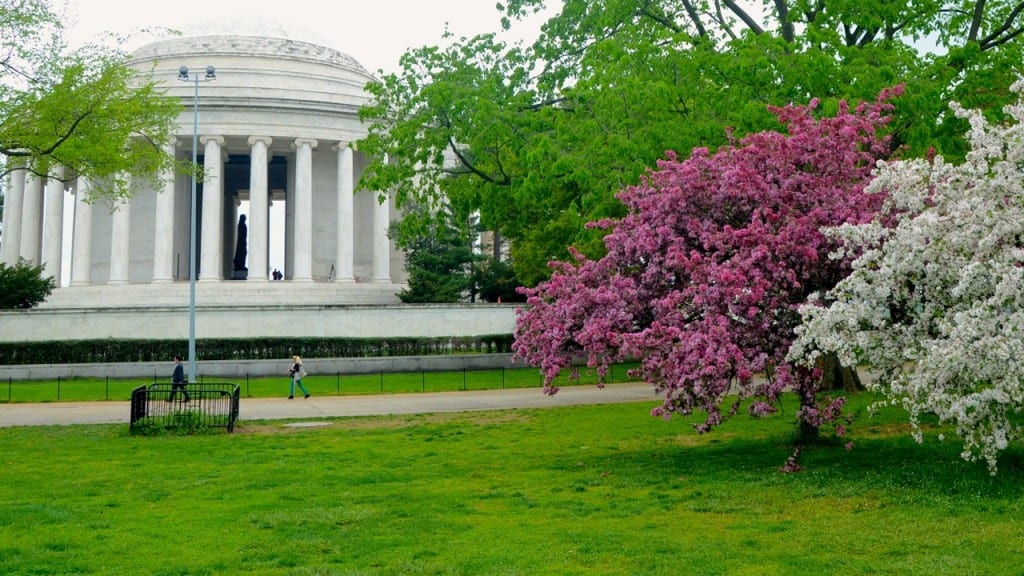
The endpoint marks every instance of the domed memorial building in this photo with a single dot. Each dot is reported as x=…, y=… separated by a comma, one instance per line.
x=275, y=134
x=275, y=130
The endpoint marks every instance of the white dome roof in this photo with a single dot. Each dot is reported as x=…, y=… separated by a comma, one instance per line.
x=264, y=85
x=258, y=46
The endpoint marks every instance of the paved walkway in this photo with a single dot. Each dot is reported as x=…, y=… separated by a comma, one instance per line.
x=113, y=412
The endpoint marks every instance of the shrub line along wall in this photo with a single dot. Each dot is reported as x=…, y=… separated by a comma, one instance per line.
x=110, y=350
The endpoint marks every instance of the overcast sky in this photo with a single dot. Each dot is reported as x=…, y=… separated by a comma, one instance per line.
x=374, y=32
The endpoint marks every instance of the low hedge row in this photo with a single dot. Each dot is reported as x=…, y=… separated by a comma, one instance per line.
x=106, y=351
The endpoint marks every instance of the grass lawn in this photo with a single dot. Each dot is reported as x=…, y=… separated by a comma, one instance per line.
x=96, y=389
x=594, y=490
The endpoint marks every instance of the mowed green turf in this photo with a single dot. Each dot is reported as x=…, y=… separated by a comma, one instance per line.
x=595, y=490
x=99, y=389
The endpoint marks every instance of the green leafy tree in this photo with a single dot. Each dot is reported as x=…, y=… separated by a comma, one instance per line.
x=539, y=137
x=438, y=255
x=23, y=285
x=82, y=109
x=496, y=282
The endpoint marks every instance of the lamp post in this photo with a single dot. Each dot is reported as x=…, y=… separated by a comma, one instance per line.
x=195, y=79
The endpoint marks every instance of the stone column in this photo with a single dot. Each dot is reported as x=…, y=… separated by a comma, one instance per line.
x=345, y=251
x=212, y=257
x=81, y=247
x=302, y=271
x=120, y=242
x=259, y=209
x=53, y=224
x=381, y=244
x=163, y=226
x=13, y=201
x=32, y=219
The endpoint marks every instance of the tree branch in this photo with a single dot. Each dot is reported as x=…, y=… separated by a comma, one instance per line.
x=721, y=20
x=979, y=13
x=473, y=169
x=993, y=40
x=782, y=10
x=811, y=13
x=742, y=15
x=67, y=134
x=1003, y=40
x=695, y=18
x=544, y=104
x=867, y=37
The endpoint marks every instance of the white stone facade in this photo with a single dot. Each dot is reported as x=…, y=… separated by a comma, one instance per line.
x=233, y=321
x=275, y=127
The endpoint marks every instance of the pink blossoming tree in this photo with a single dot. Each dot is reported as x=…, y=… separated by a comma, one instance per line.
x=703, y=277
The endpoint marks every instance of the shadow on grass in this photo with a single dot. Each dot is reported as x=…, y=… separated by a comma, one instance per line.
x=894, y=465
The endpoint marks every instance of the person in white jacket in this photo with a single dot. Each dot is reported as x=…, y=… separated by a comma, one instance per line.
x=297, y=373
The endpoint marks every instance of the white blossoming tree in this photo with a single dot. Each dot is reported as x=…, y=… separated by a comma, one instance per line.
x=934, y=305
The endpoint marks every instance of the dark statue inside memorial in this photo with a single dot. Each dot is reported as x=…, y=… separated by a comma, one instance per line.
x=239, y=271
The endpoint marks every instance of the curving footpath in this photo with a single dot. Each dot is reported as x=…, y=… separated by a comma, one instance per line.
x=114, y=412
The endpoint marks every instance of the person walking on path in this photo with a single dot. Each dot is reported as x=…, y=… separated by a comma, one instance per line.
x=297, y=373
x=178, y=381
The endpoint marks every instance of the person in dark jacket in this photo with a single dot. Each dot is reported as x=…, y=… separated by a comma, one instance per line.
x=178, y=381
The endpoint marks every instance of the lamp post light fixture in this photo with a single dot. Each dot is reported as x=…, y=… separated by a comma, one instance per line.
x=195, y=79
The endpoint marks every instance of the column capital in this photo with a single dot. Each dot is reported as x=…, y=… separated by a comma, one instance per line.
x=343, y=145
x=299, y=142
x=265, y=139
x=219, y=140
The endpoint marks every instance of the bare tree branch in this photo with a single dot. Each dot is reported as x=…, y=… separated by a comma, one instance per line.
x=979, y=13
x=782, y=9
x=994, y=39
x=465, y=161
x=746, y=18
x=695, y=18
x=722, y=22
x=1008, y=37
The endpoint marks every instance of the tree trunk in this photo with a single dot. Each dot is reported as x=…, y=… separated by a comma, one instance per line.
x=806, y=433
x=835, y=376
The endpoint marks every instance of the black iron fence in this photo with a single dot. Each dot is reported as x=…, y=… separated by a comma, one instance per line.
x=90, y=389
x=193, y=406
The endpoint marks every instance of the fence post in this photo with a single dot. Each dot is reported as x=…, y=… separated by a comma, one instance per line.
x=502, y=377
x=10, y=382
x=107, y=392
x=463, y=377
x=248, y=390
x=423, y=380
x=58, y=388
x=338, y=383
x=382, y=381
